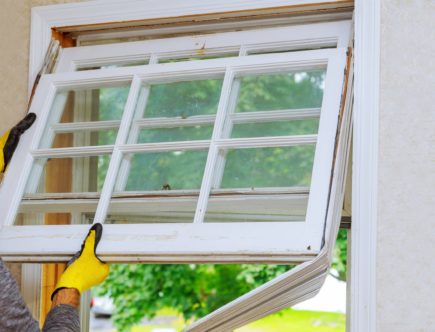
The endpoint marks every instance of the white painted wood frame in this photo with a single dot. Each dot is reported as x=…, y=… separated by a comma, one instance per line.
x=365, y=167
x=365, y=124
x=289, y=241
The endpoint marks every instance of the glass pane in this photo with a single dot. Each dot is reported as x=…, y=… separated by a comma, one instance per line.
x=198, y=56
x=68, y=175
x=281, y=91
x=251, y=208
x=277, y=128
x=164, y=171
x=115, y=65
x=152, y=135
x=83, y=138
x=268, y=167
x=91, y=105
x=41, y=217
x=96, y=104
x=161, y=187
x=152, y=209
x=181, y=99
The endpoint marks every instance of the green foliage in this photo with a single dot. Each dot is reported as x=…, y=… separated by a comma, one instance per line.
x=193, y=290
x=339, y=261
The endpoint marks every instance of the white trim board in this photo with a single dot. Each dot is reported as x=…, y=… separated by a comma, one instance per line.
x=365, y=166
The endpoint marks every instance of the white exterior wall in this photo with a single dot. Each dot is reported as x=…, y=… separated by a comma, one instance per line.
x=406, y=207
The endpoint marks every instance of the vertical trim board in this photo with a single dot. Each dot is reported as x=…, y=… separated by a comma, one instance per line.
x=365, y=163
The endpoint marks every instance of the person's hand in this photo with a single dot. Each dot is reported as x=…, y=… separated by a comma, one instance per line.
x=10, y=139
x=85, y=269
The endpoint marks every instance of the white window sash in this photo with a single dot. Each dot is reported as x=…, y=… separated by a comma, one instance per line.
x=199, y=242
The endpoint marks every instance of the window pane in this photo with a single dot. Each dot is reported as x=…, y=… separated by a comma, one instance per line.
x=277, y=128
x=198, y=56
x=152, y=209
x=152, y=135
x=96, y=104
x=83, y=138
x=256, y=207
x=281, y=91
x=41, y=217
x=182, y=99
x=164, y=170
x=68, y=175
x=114, y=65
x=161, y=187
x=269, y=167
x=91, y=105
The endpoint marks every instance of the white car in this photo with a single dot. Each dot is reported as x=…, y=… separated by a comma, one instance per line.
x=102, y=306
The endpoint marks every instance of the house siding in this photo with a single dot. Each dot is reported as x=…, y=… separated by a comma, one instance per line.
x=14, y=56
x=406, y=206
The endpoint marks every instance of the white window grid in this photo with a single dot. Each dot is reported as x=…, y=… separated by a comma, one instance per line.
x=288, y=242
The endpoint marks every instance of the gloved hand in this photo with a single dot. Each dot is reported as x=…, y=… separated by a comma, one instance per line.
x=85, y=269
x=10, y=139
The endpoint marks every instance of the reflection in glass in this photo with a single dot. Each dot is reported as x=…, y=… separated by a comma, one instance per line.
x=191, y=133
x=268, y=167
x=89, y=105
x=84, y=138
x=68, y=175
x=280, y=91
x=51, y=218
x=277, y=128
x=165, y=170
x=115, y=65
x=252, y=208
x=182, y=99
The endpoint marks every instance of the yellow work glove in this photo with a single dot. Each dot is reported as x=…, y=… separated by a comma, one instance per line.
x=85, y=269
x=10, y=139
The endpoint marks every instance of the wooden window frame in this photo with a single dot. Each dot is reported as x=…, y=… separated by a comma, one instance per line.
x=365, y=137
x=198, y=242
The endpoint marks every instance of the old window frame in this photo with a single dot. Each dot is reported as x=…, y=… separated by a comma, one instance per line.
x=364, y=174
x=192, y=240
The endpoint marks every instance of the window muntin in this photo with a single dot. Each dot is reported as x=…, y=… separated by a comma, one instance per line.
x=292, y=241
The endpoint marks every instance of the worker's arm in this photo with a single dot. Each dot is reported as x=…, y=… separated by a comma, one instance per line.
x=10, y=139
x=14, y=314
x=84, y=270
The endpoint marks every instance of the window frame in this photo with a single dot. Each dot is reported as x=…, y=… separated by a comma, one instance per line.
x=194, y=239
x=365, y=138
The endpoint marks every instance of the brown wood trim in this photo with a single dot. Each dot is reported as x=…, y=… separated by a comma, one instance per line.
x=64, y=40
x=303, y=9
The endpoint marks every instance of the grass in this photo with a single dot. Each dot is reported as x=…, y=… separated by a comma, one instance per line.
x=300, y=321
x=286, y=320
